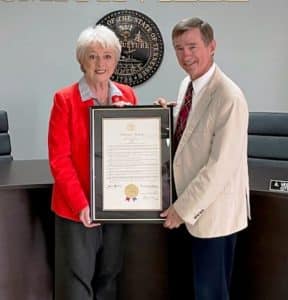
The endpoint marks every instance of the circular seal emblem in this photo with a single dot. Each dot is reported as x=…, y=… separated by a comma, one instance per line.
x=142, y=45
x=131, y=192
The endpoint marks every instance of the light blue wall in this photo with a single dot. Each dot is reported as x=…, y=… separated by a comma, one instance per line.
x=38, y=55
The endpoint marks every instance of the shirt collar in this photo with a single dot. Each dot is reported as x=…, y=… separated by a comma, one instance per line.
x=86, y=93
x=200, y=82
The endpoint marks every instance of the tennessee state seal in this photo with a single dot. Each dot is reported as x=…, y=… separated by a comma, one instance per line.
x=142, y=45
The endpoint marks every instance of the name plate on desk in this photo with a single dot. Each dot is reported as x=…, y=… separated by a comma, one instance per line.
x=131, y=163
x=278, y=186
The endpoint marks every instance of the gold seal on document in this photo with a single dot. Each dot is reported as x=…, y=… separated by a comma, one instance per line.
x=131, y=191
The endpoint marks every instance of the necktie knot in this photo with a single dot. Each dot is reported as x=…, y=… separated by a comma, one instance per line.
x=183, y=115
x=189, y=90
x=188, y=95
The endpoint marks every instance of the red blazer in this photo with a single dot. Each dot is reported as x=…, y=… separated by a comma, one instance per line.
x=68, y=143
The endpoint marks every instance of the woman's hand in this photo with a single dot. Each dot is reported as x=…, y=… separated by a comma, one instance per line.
x=85, y=218
x=121, y=103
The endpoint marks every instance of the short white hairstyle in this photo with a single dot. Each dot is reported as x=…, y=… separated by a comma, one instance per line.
x=97, y=34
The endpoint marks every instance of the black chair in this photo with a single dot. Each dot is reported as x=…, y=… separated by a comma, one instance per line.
x=268, y=135
x=268, y=151
x=5, y=144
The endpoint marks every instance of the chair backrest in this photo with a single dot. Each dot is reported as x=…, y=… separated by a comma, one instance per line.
x=268, y=135
x=5, y=143
x=268, y=152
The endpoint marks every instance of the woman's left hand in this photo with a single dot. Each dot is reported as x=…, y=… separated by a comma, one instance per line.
x=121, y=104
x=85, y=218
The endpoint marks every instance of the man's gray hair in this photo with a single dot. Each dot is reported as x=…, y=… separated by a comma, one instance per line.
x=187, y=24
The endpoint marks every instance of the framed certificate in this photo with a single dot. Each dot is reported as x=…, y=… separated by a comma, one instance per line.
x=131, y=163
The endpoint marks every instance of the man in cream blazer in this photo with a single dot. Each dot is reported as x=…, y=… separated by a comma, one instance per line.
x=210, y=162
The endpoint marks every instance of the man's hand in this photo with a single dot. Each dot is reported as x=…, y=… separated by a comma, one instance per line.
x=163, y=102
x=173, y=220
x=85, y=218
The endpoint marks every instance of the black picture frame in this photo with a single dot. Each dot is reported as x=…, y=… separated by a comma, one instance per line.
x=99, y=117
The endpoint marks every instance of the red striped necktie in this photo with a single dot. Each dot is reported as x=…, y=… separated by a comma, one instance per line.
x=183, y=115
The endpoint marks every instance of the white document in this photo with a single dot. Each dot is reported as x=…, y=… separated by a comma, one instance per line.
x=131, y=164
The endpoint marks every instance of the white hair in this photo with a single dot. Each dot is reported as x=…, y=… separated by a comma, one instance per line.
x=97, y=34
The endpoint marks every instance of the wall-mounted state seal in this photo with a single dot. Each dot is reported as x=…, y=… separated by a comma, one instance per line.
x=142, y=45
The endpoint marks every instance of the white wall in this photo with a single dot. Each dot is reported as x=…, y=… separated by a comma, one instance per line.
x=38, y=38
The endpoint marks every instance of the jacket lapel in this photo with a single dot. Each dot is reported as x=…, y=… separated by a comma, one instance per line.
x=200, y=109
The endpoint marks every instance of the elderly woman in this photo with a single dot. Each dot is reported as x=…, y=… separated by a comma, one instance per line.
x=88, y=257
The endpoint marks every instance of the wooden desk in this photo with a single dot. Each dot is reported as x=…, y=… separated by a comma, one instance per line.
x=25, y=174
x=27, y=233
x=25, y=230
x=261, y=265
